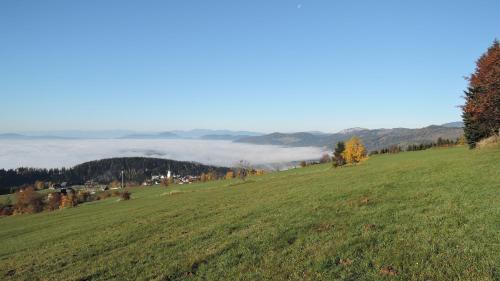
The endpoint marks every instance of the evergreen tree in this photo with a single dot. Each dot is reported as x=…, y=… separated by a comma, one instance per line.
x=338, y=158
x=475, y=128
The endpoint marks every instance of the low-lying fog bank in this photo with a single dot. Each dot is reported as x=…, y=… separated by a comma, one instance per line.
x=67, y=153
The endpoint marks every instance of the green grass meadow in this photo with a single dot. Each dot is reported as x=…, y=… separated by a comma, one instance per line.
x=427, y=215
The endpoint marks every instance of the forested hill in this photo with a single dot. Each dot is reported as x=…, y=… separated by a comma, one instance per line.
x=136, y=169
x=139, y=168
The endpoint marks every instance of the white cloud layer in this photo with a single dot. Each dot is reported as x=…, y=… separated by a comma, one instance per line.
x=67, y=153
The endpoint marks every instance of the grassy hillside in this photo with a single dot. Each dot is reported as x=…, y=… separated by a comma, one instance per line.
x=428, y=215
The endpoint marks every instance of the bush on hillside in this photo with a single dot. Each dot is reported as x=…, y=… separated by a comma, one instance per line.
x=67, y=201
x=84, y=196
x=229, y=175
x=258, y=172
x=165, y=182
x=489, y=142
x=53, y=201
x=28, y=201
x=242, y=174
x=244, y=169
x=39, y=185
x=325, y=158
x=103, y=195
x=6, y=208
x=125, y=195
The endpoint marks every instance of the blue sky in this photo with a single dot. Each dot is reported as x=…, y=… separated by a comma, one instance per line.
x=249, y=65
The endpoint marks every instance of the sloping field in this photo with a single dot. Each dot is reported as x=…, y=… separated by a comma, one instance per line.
x=429, y=215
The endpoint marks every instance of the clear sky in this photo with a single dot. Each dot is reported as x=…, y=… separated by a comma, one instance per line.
x=253, y=65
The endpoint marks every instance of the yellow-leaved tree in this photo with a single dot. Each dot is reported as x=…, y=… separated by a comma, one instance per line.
x=354, y=151
x=229, y=175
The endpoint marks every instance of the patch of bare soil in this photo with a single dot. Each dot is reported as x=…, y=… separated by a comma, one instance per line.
x=388, y=271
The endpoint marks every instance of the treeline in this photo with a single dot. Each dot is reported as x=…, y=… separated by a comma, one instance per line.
x=416, y=147
x=29, y=201
x=136, y=170
x=351, y=152
x=237, y=173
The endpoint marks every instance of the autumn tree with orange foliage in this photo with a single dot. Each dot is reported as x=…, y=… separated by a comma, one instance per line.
x=53, y=201
x=481, y=112
x=68, y=200
x=354, y=151
x=39, y=185
x=28, y=201
x=229, y=175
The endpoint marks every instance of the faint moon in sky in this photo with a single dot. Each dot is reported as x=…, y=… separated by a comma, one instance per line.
x=299, y=6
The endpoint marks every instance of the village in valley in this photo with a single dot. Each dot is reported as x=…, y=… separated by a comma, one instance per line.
x=94, y=187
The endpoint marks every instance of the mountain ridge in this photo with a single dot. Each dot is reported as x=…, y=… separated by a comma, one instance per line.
x=373, y=139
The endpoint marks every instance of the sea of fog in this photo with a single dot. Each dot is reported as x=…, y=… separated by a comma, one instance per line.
x=67, y=153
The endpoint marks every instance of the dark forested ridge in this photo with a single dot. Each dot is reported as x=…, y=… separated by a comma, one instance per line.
x=136, y=169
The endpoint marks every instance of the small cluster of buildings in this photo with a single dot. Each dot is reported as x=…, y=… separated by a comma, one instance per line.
x=94, y=187
x=176, y=179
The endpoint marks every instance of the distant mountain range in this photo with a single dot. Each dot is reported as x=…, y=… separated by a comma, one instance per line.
x=373, y=139
x=12, y=136
x=123, y=134
x=223, y=137
x=164, y=135
x=201, y=133
x=458, y=124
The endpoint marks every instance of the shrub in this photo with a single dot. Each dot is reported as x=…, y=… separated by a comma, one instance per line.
x=125, y=195
x=6, y=210
x=39, y=185
x=303, y=164
x=165, y=182
x=325, y=159
x=83, y=196
x=115, y=184
x=53, y=201
x=203, y=177
x=259, y=172
x=28, y=201
x=244, y=170
x=104, y=195
x=68, y=201
x=489, y=142
x=229, y=175
x=212, y=176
